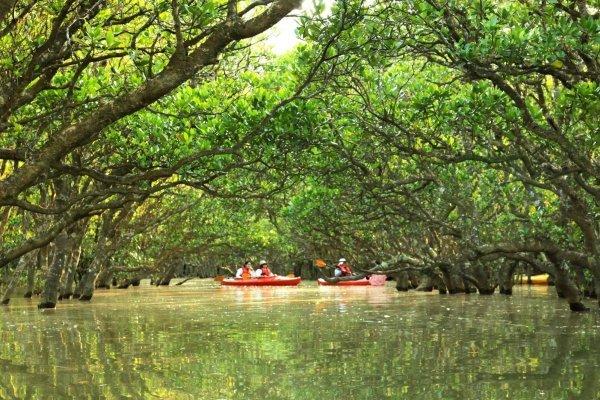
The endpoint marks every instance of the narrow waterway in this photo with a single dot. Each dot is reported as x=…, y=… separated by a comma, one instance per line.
x=201, y=341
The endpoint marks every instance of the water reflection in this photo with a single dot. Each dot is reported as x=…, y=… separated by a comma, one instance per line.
x=201, y=341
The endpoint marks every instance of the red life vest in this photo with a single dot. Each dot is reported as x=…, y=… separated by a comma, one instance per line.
x=345, y=268
x=266, y=271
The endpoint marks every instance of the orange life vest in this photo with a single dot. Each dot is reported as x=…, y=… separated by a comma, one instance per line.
x=246, y=273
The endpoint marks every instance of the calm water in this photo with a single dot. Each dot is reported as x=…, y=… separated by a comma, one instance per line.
x=200, y=341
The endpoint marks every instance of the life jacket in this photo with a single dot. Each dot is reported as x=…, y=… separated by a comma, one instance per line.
x=246, y=273
x=345, y=268
x=266, y=271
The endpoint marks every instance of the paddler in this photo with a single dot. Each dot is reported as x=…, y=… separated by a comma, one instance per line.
x=342, y=268
x=245, y=271
x=263, y=270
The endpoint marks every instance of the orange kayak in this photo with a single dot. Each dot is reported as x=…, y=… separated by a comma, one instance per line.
x=360, y=282
x=268, y=281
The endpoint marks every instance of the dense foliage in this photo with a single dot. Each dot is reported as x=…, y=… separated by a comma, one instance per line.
x=456, y=141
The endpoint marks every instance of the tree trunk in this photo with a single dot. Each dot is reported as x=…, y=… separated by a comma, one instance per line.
x=402, y=281
x=24, y=261
x=456, y=285
x=73, y=261
x=425, y=283
x=565, y=287
x=79, y=286
x=447, y=280
x=52, y=284
x=484, y=279
x=32, y=267
x=486, y=291
x=298, y=268
x=468, y=288
x=88, y=280
x=596, y=279
x=570, y=291
x=414, y=280
x=507, y=272
x=135, y=281
x=165, y=280
x=452, y=282
x=44, y=266
x=104, y=278
x=438, y=282
x=87, y=284
x=124, y=284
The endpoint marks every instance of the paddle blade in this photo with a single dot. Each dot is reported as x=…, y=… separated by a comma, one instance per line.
x=219, y=278
x=320, y=263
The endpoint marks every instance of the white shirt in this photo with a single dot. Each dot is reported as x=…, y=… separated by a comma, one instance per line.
x=240, y=271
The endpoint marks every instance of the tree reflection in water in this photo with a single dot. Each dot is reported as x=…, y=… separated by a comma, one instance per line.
x=198, y=341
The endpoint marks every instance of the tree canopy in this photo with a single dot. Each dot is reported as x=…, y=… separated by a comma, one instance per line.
x=456, y=141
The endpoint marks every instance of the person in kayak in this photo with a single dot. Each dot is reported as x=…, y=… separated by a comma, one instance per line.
x=245, y=271
x=342, y=268
x=263, y=270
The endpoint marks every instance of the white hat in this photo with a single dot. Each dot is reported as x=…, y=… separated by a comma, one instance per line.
x=342, y=260
x=262, y=262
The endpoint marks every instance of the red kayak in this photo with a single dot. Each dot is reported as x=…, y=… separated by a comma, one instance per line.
x=360, y=282
x=268, y=281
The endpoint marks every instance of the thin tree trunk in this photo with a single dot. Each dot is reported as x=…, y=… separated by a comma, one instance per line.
x=74, y=255
x=32, y=267
x=44, y=266
x=51, y=289
x=447, y=280
x=104, y=278
x=12, y=284
x=596, y=281
x=52, y=284
x=506, y=278
x=79, y=286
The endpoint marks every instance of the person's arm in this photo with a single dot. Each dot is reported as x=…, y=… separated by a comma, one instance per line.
x=258, y=273
x=238, y=274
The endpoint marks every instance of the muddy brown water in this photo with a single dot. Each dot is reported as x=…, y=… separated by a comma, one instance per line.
x=201, y=341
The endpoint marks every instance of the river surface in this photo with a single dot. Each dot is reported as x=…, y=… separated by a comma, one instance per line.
x=201, y=341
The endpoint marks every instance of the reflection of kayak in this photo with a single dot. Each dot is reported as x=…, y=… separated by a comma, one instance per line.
x=360, y=282
x=377, y=280
x=535, y=279
x=269, y=281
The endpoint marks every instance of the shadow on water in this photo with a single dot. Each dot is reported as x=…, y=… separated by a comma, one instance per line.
x=201, y=341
